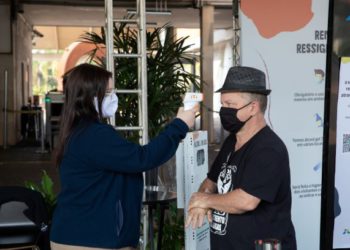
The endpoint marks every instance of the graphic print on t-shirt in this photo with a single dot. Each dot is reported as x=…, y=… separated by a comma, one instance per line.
x=224, y=184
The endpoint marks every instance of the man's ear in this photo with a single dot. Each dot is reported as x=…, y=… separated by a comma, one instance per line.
x=255, y=107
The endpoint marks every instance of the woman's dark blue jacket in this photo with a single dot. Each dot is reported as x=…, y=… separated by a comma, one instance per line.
x=101, y=185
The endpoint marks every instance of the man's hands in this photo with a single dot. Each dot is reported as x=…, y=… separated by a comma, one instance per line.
x=199, y=199
x=197, y=210
x=196, y=216
x=199, y=205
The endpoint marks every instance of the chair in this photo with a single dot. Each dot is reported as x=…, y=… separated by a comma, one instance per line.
x=23, y=219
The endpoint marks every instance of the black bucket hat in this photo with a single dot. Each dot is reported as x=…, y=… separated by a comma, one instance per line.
x=245, y=79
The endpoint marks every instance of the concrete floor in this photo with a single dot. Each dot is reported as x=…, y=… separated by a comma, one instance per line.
x=25, y=162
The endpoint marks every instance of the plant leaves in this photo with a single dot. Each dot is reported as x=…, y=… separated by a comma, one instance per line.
x=167, y=78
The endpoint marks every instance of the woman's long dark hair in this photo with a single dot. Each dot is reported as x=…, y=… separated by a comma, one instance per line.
x=81, y=85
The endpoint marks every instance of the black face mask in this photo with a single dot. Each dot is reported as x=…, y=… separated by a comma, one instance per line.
x=229, y=119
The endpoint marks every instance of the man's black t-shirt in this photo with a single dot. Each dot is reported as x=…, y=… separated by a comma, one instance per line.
x=261, y=168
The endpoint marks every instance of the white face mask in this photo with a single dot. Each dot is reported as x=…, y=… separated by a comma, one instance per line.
x=109, y=105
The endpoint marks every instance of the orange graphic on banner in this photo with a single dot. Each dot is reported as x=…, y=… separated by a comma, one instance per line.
x=275, y=16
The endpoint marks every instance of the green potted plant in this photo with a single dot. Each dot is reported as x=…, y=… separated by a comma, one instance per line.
x=167, y=79
x=46, y=189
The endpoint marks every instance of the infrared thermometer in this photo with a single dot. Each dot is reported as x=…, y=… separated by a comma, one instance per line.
x=191, y=99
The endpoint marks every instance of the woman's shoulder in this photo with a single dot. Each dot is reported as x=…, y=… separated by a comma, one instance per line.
x=99, y=127
x=93, y=128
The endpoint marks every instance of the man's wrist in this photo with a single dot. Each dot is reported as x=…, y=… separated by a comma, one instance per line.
x=207, y=199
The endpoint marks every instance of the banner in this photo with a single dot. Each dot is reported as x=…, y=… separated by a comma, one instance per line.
x=341, y=234
x=287, y=40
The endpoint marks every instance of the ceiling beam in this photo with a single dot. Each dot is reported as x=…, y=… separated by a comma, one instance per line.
x=122, y=4
x=131, y=4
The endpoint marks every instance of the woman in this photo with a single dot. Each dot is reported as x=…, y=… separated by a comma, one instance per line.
x=101, y=173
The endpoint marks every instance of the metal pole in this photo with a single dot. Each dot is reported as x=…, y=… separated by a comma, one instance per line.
x=142, y=11
x=139, y=71
x=5, y=111
x=207, y=57
x=109, y=43
x=42, y=131
x=42, y=139
x=236, y=34
x=109, y=35
x=141, y=8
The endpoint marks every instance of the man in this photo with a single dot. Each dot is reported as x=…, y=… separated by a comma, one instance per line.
x=246, y=195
